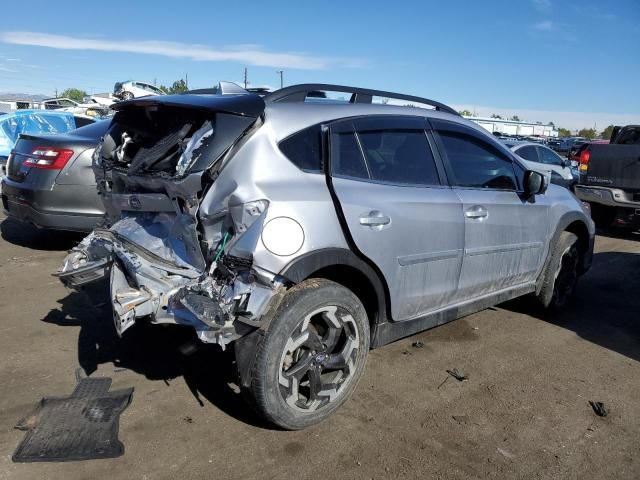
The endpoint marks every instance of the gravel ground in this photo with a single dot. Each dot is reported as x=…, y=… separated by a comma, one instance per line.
x=523, y=412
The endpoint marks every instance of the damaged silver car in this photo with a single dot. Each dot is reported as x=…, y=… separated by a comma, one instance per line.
x=303, y=230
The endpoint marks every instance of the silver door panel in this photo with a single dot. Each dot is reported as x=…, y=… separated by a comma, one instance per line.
x=419, y=250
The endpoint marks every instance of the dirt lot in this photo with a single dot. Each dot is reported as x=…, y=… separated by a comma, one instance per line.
x=523, y=413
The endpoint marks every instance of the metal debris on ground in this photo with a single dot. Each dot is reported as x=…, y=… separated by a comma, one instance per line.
x=458, y=375
x=417, y=344
x=599, y=408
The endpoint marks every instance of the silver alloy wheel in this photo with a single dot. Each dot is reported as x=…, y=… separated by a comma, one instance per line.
x=318, y=359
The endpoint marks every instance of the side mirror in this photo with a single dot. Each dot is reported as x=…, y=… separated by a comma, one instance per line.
x=534, y=183
x=566, y=163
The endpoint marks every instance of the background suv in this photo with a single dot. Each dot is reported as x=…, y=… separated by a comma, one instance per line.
x=304, y=233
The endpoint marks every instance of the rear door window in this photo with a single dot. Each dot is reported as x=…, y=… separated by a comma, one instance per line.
x=399, y=156
x=346, y=156
x=385, y=149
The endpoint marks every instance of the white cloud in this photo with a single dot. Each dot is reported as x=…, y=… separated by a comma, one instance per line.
x=570, y=120
x=246, y=54
x=6, y=69
x=545, y=25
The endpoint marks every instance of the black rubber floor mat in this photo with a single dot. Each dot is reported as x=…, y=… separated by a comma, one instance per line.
x=83, y=426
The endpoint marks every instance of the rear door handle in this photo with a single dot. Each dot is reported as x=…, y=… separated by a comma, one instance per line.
x=374, y=218
x=476, y=212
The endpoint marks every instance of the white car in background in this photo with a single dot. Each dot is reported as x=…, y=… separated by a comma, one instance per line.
x=67, y=105
x=132, y=89
x=544, y=160
x=104, y=99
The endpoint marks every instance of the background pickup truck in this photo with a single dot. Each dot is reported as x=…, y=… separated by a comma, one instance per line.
x=610, y=178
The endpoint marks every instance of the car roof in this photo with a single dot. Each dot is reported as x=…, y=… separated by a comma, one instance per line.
x=288, y=118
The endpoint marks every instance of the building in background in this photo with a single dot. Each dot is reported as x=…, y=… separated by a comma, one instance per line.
x=513, y=127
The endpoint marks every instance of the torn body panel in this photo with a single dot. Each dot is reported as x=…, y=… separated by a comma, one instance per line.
x=166, y=262
x=154, y=275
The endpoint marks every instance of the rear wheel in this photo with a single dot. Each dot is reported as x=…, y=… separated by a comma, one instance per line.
x=312, y=355
x=561, y=274
x=126, y=95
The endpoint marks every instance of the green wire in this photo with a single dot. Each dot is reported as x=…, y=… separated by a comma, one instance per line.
x=221, y=248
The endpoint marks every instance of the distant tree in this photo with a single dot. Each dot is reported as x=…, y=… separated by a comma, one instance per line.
x=564, y=132
x=179, y=86
x=589, y=133
x=515, y=118
x=493, y=115
x=606, y=133
x=465, y=113
x=74, y=94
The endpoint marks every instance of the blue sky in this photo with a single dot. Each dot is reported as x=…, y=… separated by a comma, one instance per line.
x=541, y=57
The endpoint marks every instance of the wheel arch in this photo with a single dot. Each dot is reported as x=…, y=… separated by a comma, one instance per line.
x=575, y=223
x=346, y=268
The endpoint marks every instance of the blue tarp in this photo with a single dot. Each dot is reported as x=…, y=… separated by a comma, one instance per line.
x=34, y=122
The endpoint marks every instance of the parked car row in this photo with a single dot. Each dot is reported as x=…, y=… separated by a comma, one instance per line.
x=91, y=108
x=302, y=232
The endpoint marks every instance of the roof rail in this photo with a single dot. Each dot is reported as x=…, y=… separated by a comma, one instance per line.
x=298, y=93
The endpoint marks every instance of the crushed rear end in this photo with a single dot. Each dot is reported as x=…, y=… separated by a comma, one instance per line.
x=156, y=163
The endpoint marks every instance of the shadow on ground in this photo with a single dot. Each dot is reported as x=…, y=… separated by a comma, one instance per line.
x=606, y=309
x=26, y=235
x=159, y=352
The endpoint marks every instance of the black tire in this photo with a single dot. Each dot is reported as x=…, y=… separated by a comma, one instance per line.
x=126, y=95
x=288, y=376
x=561, y=274
x=602, y=216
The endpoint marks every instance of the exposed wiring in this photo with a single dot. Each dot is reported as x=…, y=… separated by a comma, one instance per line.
x=221, y=247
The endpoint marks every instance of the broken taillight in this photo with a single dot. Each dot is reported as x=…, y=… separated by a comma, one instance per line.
x=584, y=160
x=48, y=158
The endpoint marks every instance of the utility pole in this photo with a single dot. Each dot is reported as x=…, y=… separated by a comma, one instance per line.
x=281, y=72
x=186, y=80
x=56, y=92
x=245, y=78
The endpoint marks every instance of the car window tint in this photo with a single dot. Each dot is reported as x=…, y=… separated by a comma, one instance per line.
x=475, y=163
x=346, y=156
x=549, y=157
x=304, y=149
x=399, y=156
x=528, y=153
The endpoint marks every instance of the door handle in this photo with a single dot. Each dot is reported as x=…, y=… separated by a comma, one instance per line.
x=476, y=212
x=374, y=219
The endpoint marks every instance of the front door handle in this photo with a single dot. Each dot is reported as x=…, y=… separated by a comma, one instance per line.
x=374, y=218
x=476, y=212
